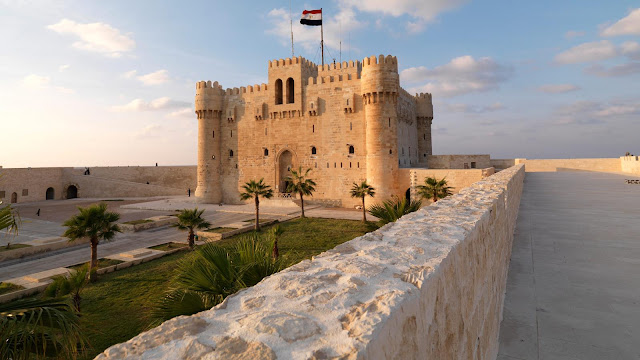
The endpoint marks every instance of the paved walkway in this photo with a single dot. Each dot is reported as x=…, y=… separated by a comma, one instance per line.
x=573, y=290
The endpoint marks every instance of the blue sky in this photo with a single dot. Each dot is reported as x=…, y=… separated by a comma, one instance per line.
x=87, y=83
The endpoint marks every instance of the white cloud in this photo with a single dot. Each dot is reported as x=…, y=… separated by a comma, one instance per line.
x=96, y=37
x=573, y=34
x=34, y=81
x=157, y=104
x=64, y=67
x=129, y=74
x=460, y=76
x=613, y=71
x=149, y=131
x=587, y=52
x=470, y=109
x=309, y=36
x=183, y=113
x=630, y=49
x=594, y=112
x=629, y=25
x=154, y=78
x=558, y=88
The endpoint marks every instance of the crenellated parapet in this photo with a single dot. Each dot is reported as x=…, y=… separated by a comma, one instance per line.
x=209, y=97
x=380, y=79
x=424, y=106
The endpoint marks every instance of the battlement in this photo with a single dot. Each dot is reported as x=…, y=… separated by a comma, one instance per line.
x=208, y=85
x=345, y=65
x=424, y=96
x=390, y=62
x=291, y=61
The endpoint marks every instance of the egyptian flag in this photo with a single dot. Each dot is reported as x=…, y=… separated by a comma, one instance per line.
x=311, y=17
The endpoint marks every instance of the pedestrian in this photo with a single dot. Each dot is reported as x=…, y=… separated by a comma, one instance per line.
x=156, y=164
x=38, y=212
x=189, y=192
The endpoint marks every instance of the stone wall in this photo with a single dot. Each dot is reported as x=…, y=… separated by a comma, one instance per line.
x=501, y=164
x=178, y=177
x=458, y=161
x=429, y=286
x=552, y=165
x=95, y=187
x=630, y=164
x=458, y=179
x=33, y=182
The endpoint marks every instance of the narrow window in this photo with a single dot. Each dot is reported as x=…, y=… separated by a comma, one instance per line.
x=313, y=128
x=349, y=164
x=265, y=131
x=358, y=164
x=389, y=122
x=290, y=94
x=390, y=151
x=327, y=165
x=236, y=166
x=402, y=151
x=278, y=92
x=335, y=165
x=266, y=152
x=473, y=164
x=316, y=165
x=213, y=134
x=424, y=136
x=231, y=133
x=352, y=150
x=350, y=124
x=313, y=150
x=340, y=165
x=230, y=153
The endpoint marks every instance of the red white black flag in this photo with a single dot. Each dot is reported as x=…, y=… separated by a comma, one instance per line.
x=311, y=17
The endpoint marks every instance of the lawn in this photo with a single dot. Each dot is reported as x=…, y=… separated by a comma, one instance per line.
x=102, y=263
x=9, y=287
x=118, y=306
x=220, y=229
x=169, y=246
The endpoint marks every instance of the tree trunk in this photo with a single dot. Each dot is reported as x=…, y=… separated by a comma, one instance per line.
x=302, y=204
x=435, y=196
x=192, y=243
x=93, y=265
x=257, y=227
x=76, y=301
x=364, y=212
x=275, y=252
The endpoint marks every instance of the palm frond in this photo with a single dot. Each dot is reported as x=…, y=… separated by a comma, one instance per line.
x=393, y=209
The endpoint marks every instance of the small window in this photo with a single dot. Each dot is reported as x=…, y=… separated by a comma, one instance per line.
x=316, y=165
x=25, y=192
x=278, y=92
x=466, y=165
x=389, y=122
x=390, y=151
x=327, y=165
x=2, y=194
x=350, y=124
x=425, y=154
x=358, y=164
x=231, y=133
x=213, y=134
x=313, y=150
x=335, y=165
x=236, y=166
x=352, y=150
x=266, y=152
x=313, y=128
x=265, y=131
x=349, y=164
x=424, y=136
x=230, y=153
x=340, y=165
x=473, y=164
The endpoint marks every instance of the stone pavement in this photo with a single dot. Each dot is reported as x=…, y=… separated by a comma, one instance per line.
x=573, y=289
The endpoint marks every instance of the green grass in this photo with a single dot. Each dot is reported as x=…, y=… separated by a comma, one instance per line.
x=253, y=221
x=102, y=263
x=13, y=247
x=9, y=287
x=168, y=246
x=118, y=306
x=220, y=230
x=137, y=222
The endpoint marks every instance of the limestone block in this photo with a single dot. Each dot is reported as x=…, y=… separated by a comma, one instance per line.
x=44, y=276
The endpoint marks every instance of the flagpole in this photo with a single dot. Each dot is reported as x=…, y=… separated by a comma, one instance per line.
x=291, y=24
x=322, y=38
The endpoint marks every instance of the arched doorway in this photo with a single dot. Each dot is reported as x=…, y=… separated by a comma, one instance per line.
x=285, y=164
x=14, y=198
x=407, y=194
x=72, y=192
x=50, y=194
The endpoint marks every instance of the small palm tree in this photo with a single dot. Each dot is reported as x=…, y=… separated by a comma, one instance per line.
x=393, y=209
x=434, y=189
x=191, y=220
x=95, y=223
x=73, y=284
x=299, y=183
x=256, y=189
x=275, y=232
x=9, y=220
x=362, y=190
x=37, y=328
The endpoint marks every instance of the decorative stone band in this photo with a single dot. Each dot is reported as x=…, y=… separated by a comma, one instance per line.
x=429, y=286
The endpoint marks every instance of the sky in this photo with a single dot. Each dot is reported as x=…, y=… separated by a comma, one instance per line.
x=105, y=83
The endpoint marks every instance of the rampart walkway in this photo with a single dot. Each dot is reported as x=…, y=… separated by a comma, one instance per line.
x=573, y=288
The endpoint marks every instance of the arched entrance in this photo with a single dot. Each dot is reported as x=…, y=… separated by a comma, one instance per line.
x=407, y=194
x=14, y=198
x=72, y=192
x=285, y=164
x=50, y=194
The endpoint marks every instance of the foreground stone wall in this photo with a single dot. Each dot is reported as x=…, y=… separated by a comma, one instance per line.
x=429, y=286
x=630, y=164
x=545, y=165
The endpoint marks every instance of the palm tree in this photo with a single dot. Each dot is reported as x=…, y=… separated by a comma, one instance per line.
x=37, y=328
x=95, y=223
x=73, y=284
x=393, y=209
x=9, y=220
x=434, y=189
x=215, y=273
x=191, y=219
x=256, y=189
x=275, y=232
x=299, y=183
x=362, y=190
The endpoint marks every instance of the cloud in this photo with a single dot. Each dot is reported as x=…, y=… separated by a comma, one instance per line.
x=587, y=52
x=149, y=131
x=96, y=37
x=629, y=25
x=630, y=49
x=613, y=71
x=558, y=88
x=153, y=105
x=461, y=75
x=129, y=74
x=187, y=113
x=64, y=67
x=470, y=109
x=595, y=112
x=309, y=36
x=573, y=34
x=34, y=81
x=154, y=78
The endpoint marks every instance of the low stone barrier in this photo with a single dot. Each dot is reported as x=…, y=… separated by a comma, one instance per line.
x=39, y=247
x=154, y=222
x=429, y=286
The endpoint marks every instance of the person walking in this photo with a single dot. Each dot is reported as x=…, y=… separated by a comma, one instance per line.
x=189, y=192
x=38, y=212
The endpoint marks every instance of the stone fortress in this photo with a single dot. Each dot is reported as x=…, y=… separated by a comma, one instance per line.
x=348, y=122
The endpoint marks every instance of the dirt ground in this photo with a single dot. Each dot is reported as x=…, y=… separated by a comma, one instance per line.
x=61, y=210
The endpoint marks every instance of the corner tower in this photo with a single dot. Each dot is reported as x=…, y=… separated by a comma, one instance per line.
x=209, y=109
x=424, y=117
x=380, y=84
